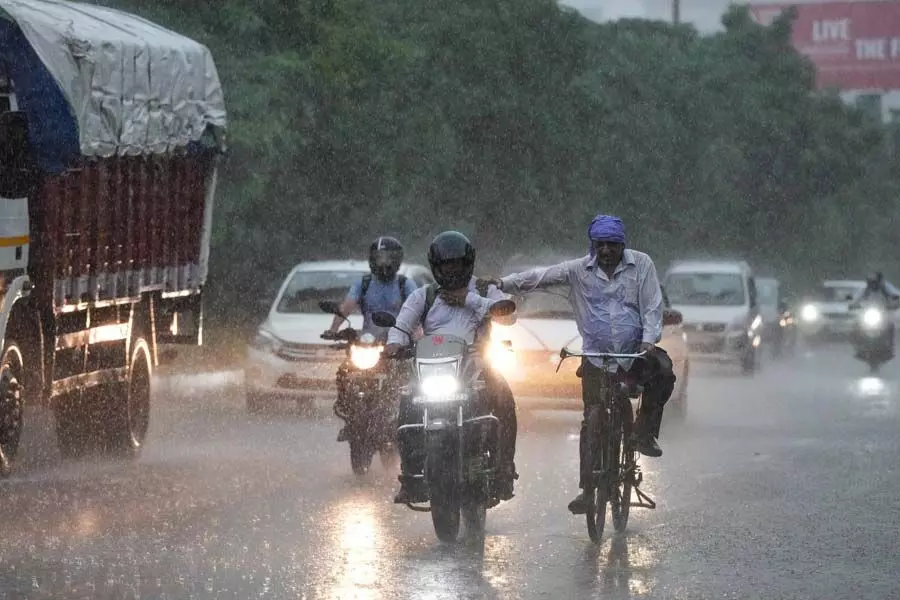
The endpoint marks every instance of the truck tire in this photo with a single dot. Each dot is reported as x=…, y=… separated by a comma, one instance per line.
x=11, y=404
x=128, y=405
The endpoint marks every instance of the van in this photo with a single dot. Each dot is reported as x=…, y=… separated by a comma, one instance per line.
x=719, y=304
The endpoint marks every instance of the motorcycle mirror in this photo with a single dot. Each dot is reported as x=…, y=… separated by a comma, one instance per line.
x=331, y=307
x=502, y=308
x=383, y=319
x=672, y=317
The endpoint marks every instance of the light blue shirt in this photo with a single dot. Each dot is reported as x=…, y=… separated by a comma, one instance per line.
x=380, y=297
x=462, y=321
x=613, y=315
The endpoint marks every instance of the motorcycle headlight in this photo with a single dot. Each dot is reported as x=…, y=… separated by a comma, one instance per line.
x=501, y=357
x=427, y=370
x=439, y=386
x=266, y=342
x=365, y=357
x=809, y=313
x=872, y=318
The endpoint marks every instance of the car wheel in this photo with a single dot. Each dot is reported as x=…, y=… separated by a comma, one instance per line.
x=749, y=362
x=679, y=402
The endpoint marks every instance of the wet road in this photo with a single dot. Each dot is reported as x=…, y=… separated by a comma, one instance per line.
x=781, y=486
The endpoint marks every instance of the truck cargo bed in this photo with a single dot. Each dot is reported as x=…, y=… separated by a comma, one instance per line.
x=117, y=227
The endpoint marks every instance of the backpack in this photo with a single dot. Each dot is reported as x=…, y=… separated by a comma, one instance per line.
x=367, y=281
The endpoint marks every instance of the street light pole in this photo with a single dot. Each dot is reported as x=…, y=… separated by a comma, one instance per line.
x=676, y=11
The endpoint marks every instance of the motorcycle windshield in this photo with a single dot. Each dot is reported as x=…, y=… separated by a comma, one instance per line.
x=433, y=347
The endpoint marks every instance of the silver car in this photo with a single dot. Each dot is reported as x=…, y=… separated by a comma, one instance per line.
x=287, y=359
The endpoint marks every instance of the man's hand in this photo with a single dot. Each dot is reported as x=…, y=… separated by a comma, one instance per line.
x=647, y=347
x=392, y=349
x=482, y=284
x=454, y=297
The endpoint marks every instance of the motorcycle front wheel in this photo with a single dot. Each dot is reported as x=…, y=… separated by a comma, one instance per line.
x=361, y=455
x=444, y=491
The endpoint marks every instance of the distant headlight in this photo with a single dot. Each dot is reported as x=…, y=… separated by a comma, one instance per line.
x=365, y=357
x=872, y=318
x=266, y=342
x=809, y=313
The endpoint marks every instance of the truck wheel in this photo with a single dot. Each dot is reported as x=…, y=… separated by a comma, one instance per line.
x=11, y=405
x=127, y=405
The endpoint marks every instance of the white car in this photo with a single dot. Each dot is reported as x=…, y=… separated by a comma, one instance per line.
x=287, y=359
x=544, y=325
x=827, y=313
x=719, y=304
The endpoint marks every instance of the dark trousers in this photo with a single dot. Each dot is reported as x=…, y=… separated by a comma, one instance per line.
x=500, y=402
x=654, y=373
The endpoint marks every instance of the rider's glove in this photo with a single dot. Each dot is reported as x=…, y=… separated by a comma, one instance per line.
x=482, y=284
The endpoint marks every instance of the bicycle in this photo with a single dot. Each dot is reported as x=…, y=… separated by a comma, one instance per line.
x=611, y=450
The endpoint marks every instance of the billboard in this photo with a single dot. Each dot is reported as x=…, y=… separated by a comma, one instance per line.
x=854, y=45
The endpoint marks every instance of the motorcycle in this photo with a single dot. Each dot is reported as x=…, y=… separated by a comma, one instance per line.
x=369, y=410
x=783, y=333
x=873, y=336
x=461, y=436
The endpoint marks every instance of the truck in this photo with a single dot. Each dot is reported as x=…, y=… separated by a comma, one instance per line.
x=111, y=132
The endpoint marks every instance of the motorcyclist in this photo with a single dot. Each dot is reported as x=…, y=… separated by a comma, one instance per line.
x=617, y=300
x=877, y=285
x=887, y=296
x=382, y=289
x=458, y=309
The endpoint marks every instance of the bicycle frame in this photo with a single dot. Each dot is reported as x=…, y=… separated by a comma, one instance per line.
x=607, y=430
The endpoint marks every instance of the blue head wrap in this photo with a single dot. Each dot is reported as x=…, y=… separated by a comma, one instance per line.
x=606, y=228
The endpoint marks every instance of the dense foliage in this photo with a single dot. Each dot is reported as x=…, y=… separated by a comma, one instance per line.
x=517, y=120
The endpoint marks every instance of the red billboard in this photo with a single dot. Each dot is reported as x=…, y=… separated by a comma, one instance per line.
x=854, y=45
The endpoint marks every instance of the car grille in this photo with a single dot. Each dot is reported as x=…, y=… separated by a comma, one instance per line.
x=707, y=347
x=308, y=352
x=704, y=327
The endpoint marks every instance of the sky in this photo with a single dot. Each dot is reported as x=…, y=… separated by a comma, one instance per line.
x=704, y=14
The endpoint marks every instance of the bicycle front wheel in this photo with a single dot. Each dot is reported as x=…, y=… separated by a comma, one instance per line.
x=596, y=488
x=622, y=458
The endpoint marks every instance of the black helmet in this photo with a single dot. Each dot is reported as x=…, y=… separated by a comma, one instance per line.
x=452, y=260
x=385, y=256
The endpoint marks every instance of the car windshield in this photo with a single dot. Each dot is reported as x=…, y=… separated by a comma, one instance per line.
x=705, y=289
x=549, y=303
x=307, y=288
x=842, y=293
x=767, y=292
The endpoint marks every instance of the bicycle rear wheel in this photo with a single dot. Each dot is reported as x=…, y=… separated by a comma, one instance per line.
x=596, y=488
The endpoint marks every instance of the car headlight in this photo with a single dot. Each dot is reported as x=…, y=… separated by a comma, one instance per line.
x=872, y=318
x=365, y=357
x=266, y=342
x=501, y=357
x=809, y=313
x=439, y=386
x=756, y=323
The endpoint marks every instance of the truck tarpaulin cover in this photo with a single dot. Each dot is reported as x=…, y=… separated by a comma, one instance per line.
x=854, y=45
x=99, y=82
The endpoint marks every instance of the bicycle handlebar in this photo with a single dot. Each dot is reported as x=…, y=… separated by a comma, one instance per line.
x=566, y=353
